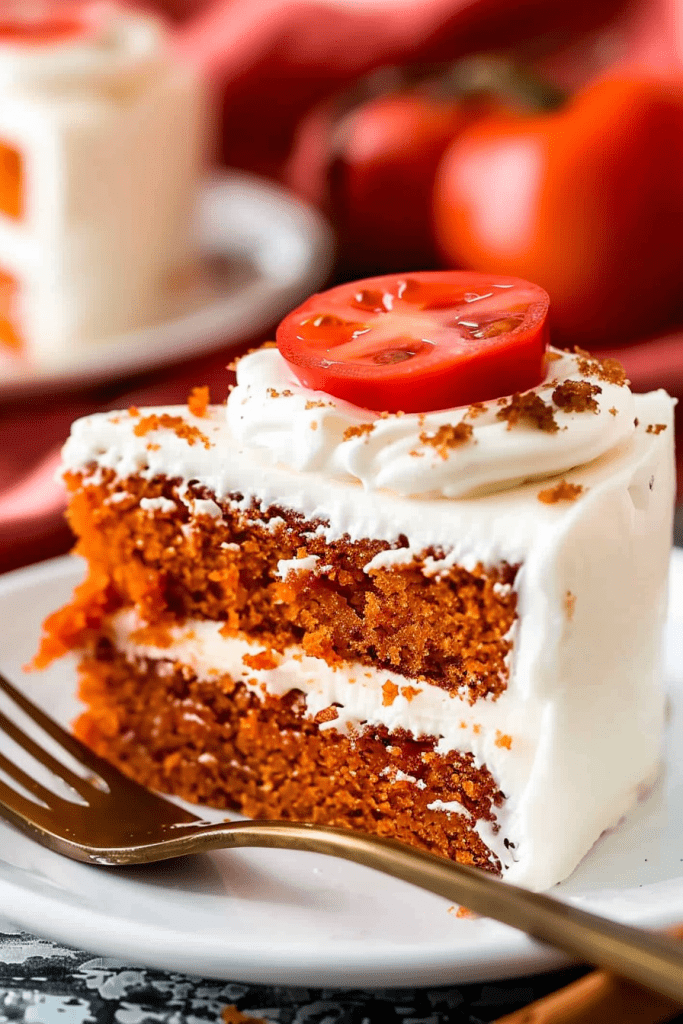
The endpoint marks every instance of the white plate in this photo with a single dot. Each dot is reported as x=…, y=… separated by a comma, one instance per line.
x=281, y=917
x=263, y=252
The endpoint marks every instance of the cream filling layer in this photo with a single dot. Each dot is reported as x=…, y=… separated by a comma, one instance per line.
x=498, y=733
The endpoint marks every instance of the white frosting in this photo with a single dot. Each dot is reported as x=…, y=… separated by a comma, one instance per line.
x=110, y=130
x=157, y=505
x=584, y=703
x=287, y=565
x=305, y=431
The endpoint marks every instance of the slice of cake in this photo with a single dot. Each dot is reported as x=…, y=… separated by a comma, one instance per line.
x=441, y=626
x=100, y=139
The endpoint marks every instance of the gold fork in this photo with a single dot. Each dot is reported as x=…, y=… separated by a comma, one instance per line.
x=114, y=821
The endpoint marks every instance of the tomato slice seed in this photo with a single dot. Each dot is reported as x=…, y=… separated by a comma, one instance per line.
x=373, y=301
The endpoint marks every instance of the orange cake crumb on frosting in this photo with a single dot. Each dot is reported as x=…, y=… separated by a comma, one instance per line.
x=606, y=369
x=577, y=396
x=448, y=436
x=528, y=408
x=564, y=491
x=177, y=424
x=362, y=430
x=198, y=401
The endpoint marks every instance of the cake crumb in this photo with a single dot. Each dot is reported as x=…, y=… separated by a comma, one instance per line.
x=263, y=660
x=448, y=436
x=503, y=740
x=133, y=411
x=528, y=408
x=153, y=447
x=569, y=604
x=608, y=369
x=389, y=693
x=564, y=491
x=315, y=404
x=552, y=357
x=326, y=715
x=576, y=396
x=410, y=692
x=462, y=912
x=361, y=430
x=655, y=428
x=614, y=411
x=177, y=424
x=313, y=424
x=198, y=401
x=231, y=1015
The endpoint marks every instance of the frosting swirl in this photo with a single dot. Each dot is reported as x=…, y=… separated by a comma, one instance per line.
x=451, y=453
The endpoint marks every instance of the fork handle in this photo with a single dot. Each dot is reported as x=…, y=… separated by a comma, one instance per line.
x=650, y=959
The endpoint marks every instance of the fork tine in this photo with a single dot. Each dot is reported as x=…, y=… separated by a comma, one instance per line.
x=81, y=785
x=21, y=808
x=30, y=784
x=73, y=746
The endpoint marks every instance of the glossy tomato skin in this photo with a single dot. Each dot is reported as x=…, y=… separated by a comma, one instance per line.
x=421, y=362
x=382, y=180
x=587, y=201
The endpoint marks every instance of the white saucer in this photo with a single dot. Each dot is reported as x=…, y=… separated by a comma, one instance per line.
x=263, y=252
x=281, y=917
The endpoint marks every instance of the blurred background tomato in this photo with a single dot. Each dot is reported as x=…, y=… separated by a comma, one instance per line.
x=587, y=201
x=554, y=156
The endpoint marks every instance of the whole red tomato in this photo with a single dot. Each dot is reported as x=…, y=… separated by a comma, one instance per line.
x=375, y=169
x=586, y=201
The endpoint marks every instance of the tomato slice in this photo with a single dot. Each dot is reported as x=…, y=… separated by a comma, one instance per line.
x=46, y=21
x=419, y=342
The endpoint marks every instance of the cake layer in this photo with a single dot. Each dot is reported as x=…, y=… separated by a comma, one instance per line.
x=241, y=568
x=217, y=743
